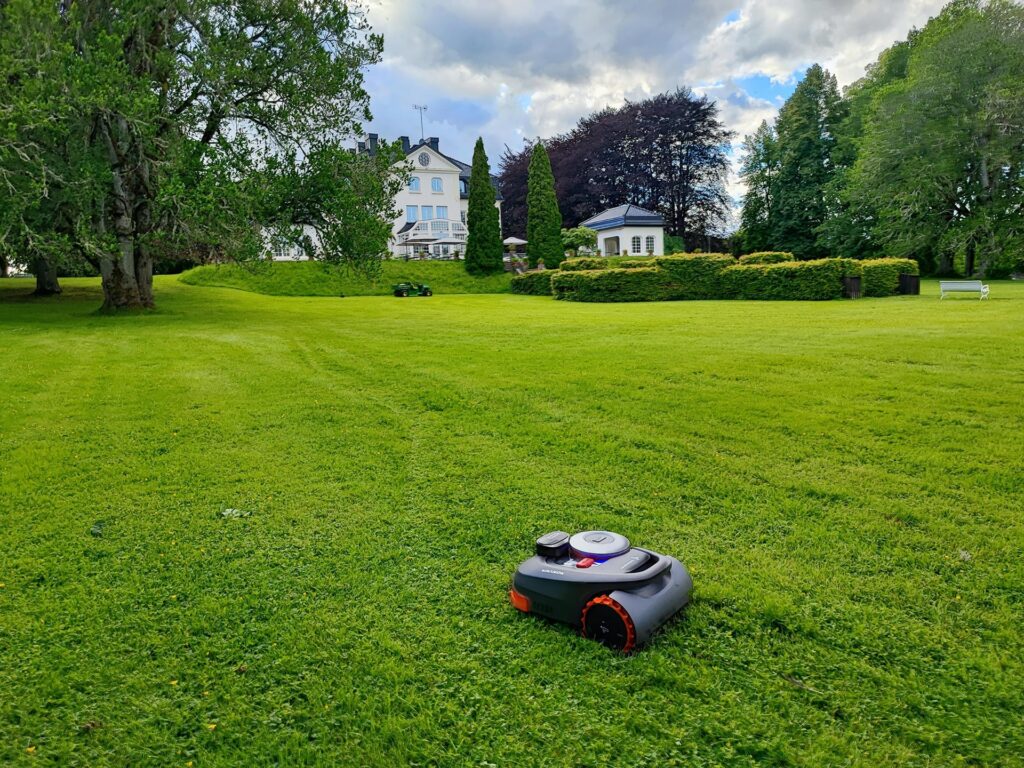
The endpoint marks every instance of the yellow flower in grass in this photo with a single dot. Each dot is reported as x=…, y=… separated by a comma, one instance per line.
x=211, y=726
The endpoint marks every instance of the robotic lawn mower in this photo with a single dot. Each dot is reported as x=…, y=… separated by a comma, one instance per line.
x=616, y=594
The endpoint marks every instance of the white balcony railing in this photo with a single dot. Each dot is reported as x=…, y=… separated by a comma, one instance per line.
x=434, y=230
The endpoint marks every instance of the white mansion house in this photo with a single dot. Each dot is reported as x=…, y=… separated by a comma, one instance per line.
x=434, y=203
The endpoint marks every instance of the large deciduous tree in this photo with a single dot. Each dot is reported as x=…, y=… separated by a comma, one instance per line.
x=667, y=153
x=484, y=251
x=186, y=126
x=940, y=167
x=543, y=220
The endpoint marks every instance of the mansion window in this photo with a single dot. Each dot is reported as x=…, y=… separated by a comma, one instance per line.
x=463, y=187
x=436, y=185
x=442, y=211
x=414, y=184
x=636, y=244
x=427, y=212
x=649, y=244
x=410, y=213
x=462, y=214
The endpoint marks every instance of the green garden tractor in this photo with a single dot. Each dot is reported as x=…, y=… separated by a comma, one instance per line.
x=412, y=289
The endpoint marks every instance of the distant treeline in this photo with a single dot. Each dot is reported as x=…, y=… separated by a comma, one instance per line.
x=923, y=157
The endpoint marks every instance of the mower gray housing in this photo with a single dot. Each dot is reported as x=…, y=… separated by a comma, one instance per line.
x=649, y=588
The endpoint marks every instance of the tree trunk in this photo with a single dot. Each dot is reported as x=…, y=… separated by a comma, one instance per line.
x=46, y=277
x=4, y=266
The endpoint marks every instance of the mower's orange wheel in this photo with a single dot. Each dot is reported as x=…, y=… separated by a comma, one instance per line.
x=609, y=623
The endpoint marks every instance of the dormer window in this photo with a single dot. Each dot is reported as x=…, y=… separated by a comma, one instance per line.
x=414, y=184
x=436, y=185
x=463, y=187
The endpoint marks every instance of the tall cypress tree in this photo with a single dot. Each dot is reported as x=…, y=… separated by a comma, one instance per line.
x=543, y=219
x=484, y=251
x=806, y=138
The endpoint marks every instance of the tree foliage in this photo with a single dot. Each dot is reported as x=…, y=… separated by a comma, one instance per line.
x=579, y=238
x=543, y=219
x=667, y=154
x=923, y=157
x=484, y=252
x=145, y=128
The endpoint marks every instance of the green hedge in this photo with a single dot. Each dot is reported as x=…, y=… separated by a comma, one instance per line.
x=583, y=262
x=697, y=276
x=766, y=257
x=635, y=263
x=816, y=280
x=534, y=283
x=604, y=285
x=882, y=276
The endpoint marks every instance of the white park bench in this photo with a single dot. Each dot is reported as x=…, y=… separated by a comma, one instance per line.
x=962, y=286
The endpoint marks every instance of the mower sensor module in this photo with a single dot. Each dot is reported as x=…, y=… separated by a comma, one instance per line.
x=615, y=593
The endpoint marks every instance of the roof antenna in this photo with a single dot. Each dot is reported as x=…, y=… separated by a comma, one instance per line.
x=421, y=108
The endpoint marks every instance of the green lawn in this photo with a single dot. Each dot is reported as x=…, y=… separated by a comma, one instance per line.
x=308, y=278
x=844, y=480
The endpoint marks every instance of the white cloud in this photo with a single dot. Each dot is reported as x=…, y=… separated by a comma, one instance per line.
x=515, y=69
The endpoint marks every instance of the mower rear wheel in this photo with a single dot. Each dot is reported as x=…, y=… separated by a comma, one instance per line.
x=428, y=293
x=403, y=294
x=608, y=622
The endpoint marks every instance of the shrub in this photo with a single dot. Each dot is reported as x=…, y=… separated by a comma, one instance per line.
x=533, y=283
x=643, y=284
x=697, y=276
x=882, y=276
x=766, y=257
x=587, y=262
x=815, y=280
x=635, y=263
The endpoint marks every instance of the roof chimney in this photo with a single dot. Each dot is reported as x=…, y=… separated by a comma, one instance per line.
x=405, y=144
x=433, y=142
x=360, y=147
x=372, y=142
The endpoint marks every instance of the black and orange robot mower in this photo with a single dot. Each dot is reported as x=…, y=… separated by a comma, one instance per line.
x=615, y=593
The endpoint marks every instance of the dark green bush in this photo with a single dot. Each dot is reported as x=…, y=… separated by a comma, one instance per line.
x=696, y=276
x=882, y=276
x=533, y=283
x=815, y=280
x=766, y=257
x=583, y=262
x=643, y=284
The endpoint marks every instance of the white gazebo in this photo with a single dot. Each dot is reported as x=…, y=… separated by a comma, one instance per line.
x=628, y=229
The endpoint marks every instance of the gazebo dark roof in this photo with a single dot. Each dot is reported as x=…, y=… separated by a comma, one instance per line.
x=628, y=215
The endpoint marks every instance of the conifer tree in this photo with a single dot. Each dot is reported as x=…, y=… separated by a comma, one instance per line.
x=543, y=219
x=484, y=252
x=806, y=138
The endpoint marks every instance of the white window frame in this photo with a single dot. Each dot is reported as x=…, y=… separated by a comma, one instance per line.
x=635, y=244
x=424, y=210
x=414, y=184
x=438, y=209
x=649, y=244
x=412, y=214
x=437, y=185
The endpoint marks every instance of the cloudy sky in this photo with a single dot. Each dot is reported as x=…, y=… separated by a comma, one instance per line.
x=513, y=69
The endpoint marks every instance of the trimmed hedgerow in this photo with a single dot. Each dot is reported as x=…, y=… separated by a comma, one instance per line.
x=697, y=275
x=533, y=283
x=583, y=262
x=766, y=257
x=816, y=280
x=635, y=263
x=606, y=285
x=882, y=276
